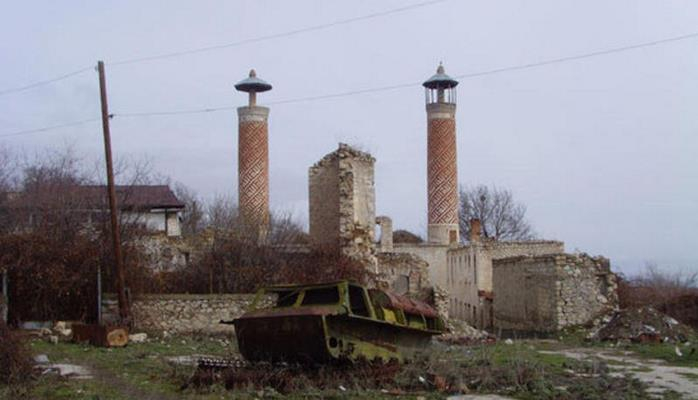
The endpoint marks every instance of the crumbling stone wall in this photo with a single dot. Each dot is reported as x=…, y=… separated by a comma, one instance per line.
x=403, y=273
x=506, y=249
x=467, y=274
x=166, y=314
x=433, y=254
x=342, y=204
x=551, y=292
x=168, y=253
x=386, y=238
x=323, y=200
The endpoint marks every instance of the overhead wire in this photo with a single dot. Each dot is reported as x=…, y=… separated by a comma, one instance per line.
x=412, y=84
x=227, y=45
x=45, y=82
x=277, y=35
x=50, y=128
x=375, y=89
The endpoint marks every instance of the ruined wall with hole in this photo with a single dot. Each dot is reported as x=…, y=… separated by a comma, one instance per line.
x=551, y=292
x=168, y=314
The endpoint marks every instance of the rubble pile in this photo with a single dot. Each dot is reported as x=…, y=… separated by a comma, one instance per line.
x=644, y=324
x=459, y=332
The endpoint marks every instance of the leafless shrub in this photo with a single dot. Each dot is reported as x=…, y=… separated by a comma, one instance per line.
x=655, y=287
x=501, y=216
x=673, y=293
x=193, y=214
x=55, y=236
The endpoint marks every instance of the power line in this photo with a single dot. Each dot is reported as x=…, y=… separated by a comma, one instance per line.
x=160, y=113
x=278, y=35
x=412, y=84
x=46, y=82
x=50, y=128
x=581, y=56
x=229, y=45
x=381, y=88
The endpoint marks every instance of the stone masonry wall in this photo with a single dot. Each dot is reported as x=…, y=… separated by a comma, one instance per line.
x=524, y=294
x=587, y=289
x=323, y=187
x=525, y=247
x=549, y=293
x=167, y=314
x=342, y=204
x=404, y=273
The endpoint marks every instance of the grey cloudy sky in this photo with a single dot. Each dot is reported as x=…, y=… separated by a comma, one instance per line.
x=601, y=150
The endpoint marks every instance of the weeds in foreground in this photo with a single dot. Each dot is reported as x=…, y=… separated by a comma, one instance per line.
x=487, y=369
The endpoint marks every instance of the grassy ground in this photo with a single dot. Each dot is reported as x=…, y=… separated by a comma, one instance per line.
x=142, y=371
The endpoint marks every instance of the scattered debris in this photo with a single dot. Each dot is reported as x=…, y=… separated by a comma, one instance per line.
x=460, y=333
x=138, y=337
x=68, y=371
x=41, y=359
x=42, y=326
x=678, y=351
x=644, y=324
x=100, y=335
x=61, y=328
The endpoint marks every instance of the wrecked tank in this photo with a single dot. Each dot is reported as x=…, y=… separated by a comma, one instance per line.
x=334, y=321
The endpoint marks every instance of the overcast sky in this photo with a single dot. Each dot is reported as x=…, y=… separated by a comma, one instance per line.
x=602, y=150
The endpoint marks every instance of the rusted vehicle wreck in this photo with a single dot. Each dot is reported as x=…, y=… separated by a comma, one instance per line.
x=334, y=321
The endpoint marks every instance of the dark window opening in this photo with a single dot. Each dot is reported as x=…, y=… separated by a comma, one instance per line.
x=328, y=295
x=286, y=298
x=357, y=302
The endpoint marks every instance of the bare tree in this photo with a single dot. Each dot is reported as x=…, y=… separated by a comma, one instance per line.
x=222, y=214
x=193, y=214
x=501, y=217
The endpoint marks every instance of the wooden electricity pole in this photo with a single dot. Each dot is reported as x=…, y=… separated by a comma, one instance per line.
x=124, y=311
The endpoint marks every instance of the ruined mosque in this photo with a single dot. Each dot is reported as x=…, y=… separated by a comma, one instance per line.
x=496, y=285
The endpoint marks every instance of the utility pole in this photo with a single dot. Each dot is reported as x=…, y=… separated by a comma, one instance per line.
x=124, y=312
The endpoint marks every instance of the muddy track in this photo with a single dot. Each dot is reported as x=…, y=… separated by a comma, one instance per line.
x=658, y=375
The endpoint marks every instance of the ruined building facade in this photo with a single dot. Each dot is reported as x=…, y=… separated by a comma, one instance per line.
x=515, y=285
x=483, y=282
x=551, y=292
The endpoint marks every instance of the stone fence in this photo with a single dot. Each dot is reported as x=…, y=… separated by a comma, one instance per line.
x=167, y=314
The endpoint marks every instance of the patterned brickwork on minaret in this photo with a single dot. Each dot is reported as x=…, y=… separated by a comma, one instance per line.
x=442, y=166
x=442, y=172
x=253, y=166
x=253, y=159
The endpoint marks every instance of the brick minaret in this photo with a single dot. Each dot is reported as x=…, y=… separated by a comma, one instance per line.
x=442, y=171
x=253, y=157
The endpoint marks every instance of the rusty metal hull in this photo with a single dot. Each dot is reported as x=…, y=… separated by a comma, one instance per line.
x=294, y=338
x=323, y=338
